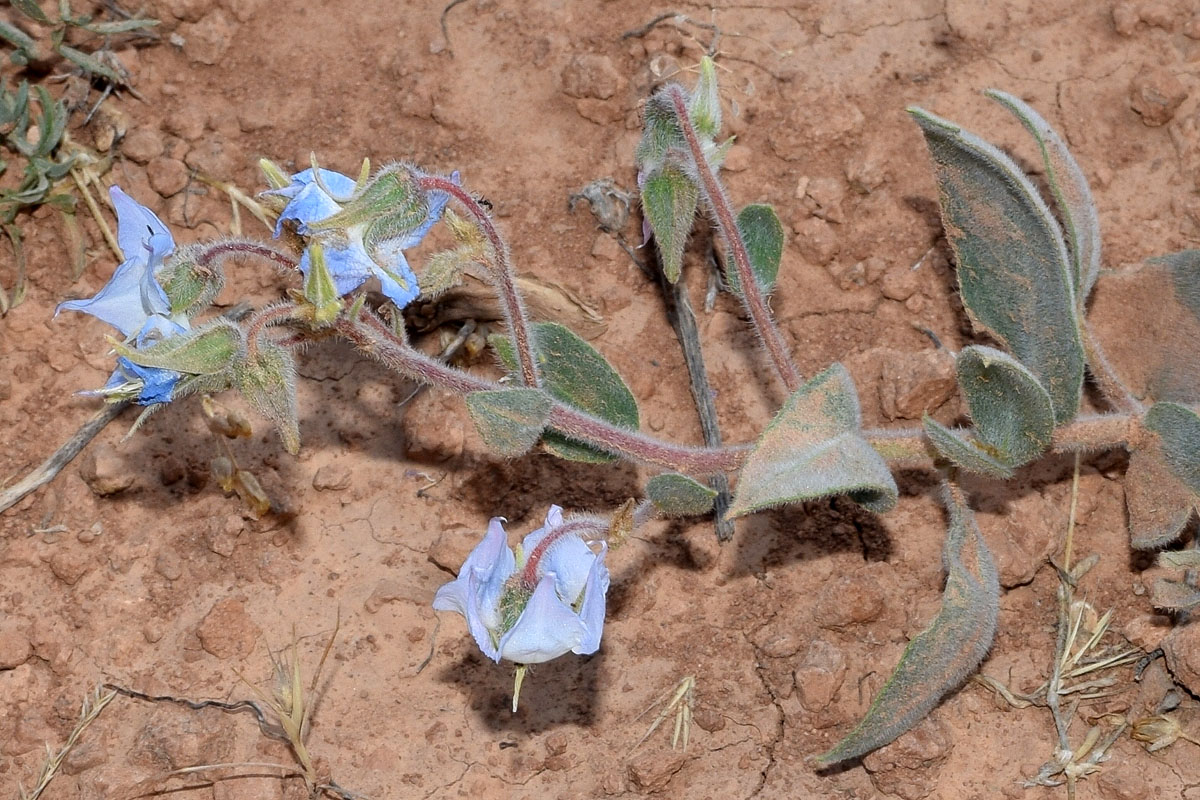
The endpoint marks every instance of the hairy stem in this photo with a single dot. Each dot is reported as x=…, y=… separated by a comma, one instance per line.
x=503, y=275
x=375, y=339
x=271, y=315
x=239, y=247
x=722, y=210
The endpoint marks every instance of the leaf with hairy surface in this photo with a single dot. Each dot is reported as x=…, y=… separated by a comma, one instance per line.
x=940, y=657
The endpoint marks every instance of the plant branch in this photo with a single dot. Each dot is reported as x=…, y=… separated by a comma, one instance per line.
x=239, y=247
x=374, y=338
x=722, y=211
x=503, y=274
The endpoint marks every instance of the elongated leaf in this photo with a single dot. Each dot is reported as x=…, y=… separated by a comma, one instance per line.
x=762, y=232
x=1071, y=193
x=205, y=351
x=509, y=421
x=1174, y=595
x=1179, y=429
x=119, y=26
x=1011, y=411
x=1013, y=268
x=676, y=495
x=267, y=379
x=31, y=9
x=90, y=64
x=814, y=448
x=963, y=452
x=941, y=656
x=574, y=372
x=1159, y=504
x=669, y=198
x=1148, y=320
x=660, y=134
x=1179, y=559
x=704, y=101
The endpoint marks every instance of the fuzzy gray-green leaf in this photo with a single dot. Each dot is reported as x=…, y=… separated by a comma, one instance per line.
x=676, y=495
x=577, y=374
x=1071, y=193
x=669, y=199
x=267, y=380
x=963, y=452
x=510, y=421
x=814, y=448
x=1179, y=559
x=1012, y=412
x=941, y=656
x=1179, y=429
x=1013, y=268
x=205, y=351
x=1174, y=595
x=1159, y=504
x=762, y=233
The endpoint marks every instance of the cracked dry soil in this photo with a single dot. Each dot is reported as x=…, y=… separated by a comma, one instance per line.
x=167, y=586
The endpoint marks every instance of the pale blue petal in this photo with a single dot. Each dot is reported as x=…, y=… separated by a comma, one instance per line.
x=140, y=233
x=310, y=204
x=591, y=613
x=546, y=629
x=157, y=384
x=348, y=264
x=571, y=562
x=534, y=537
x=480, y=630
x=399, y=283
x=119, y=303
x=476, y=592
x=157, y=328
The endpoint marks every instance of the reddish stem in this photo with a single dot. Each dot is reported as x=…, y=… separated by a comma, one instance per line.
x=219, y=250
x=375, y=339
x=503, y=274
x=270, y=315
x=722, y=210
x=529, y=574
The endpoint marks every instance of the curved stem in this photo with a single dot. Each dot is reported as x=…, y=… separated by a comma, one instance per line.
x=722, y=210
x=271, y=315
x=375, y=339
x=503, y=274
x=236, y=247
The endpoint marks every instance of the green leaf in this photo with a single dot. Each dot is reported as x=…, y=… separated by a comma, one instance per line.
x=963, y=452
x=319, y=288
x=941, y=656
x=660, y=134
x=1011, y=410
x=814, y=448
x=189, y=287
x=669, y=199
x=762, y=232
x=267, y=380
x=90, y=64
x=1159, y=504
x=511, y=420
x=204, y=351
x=119, y=26
x=676, y=495
x=1072, y=195
x=1148, y=320
x=31, y=9
x=576, y=374
x=704, y=102
x=1174, y=595
x=1013, y=268
x=1179, y=429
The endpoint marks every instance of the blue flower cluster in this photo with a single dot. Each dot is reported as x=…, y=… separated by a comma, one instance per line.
x=529, y=622
x=135, y=304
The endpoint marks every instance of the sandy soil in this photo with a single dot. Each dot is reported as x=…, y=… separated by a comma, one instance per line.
x=170, y=587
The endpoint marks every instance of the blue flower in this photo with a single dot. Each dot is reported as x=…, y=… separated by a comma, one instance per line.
x=549, y=602
x=134, y=303
x=315, y=196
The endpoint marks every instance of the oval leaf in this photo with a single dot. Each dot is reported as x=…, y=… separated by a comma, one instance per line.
x=510, y=421
x=1072, y=195
x=762, y=233
x=267, y=379
x=963, y=452
x=676, y=495
x=814, y=448
x=1179, y=429
x=1013, y=269
x=1159, y=504
x=669, y=199
x=1012, y=412
x=205, y=351
x=577, y=374
x=1148, y=319
x=941, y=656
x=1174, y=595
